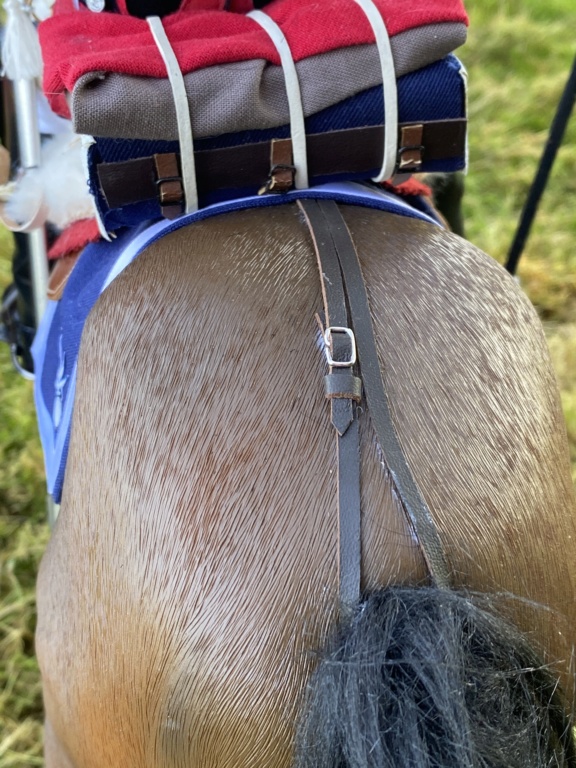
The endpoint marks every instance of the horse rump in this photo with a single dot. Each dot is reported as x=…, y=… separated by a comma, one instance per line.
x=429, y=677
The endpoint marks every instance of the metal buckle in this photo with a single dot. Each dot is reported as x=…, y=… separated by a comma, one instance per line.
x=411, y=137
x=172, y=195
x=9, y=329
x=169, y=185
x=415, y=159
x=273, y=184
x=24, y=372
x=161, y=181
x=328, y=347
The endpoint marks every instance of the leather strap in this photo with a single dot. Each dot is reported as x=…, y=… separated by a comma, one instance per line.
x=411, y=148
x=183, y=120
x=282, y=169
x=350, y=151
x=414, y=505
x=293, y=95
x=60, y=275
x=389, y=88
x=169, y=183
x=342, y=389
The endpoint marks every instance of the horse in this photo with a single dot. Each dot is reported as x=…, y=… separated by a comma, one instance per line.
x=188, y=603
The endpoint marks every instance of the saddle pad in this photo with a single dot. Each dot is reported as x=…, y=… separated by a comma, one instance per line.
x=344, y=143
x=57, y=341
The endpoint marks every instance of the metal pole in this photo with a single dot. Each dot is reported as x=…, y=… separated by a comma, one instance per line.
x=25, y=104
x=539, y=184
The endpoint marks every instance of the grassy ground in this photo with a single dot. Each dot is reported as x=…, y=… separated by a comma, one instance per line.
x=23, y=536
x=519, y=55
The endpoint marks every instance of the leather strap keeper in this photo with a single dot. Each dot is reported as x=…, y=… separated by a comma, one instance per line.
x=169, y=183
x=350, y=151
x=343, y=384
x=281, y=177
x=411, y=148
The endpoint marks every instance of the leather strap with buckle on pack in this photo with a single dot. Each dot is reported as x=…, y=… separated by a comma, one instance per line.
x=354, y=151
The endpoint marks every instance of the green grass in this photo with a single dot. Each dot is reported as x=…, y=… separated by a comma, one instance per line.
x=562, y=343
x=518, y=57
x=23, y=536
x=22, y=541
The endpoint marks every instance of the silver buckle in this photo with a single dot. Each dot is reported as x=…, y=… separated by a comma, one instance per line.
x=28, y=375
x=328, y=347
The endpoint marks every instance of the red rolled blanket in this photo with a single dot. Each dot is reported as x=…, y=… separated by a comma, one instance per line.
x=77, y=43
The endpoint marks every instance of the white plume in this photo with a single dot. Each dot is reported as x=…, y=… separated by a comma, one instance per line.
x=42, y=9
x=59, y=185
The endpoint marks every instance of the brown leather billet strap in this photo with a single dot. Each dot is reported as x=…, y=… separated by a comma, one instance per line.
x=60, y=274
x=170, y=189
x=411, y=149
x=413, y=502
x=349, y=151
x=282, y=168
x=343, y=389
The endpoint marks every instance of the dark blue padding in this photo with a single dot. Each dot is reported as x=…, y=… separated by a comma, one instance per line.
x=435, y=92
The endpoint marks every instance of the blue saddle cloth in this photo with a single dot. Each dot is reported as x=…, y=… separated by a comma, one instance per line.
x=434, y=93
x=57, y=342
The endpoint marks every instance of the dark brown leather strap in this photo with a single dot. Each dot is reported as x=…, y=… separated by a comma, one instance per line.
x=169, y=185
x=411, y=150
x=350, y=151
x=343, y=388
x=282, y=168
x=412, y=500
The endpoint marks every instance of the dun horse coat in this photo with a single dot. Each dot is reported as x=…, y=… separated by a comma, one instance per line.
x=192, y=573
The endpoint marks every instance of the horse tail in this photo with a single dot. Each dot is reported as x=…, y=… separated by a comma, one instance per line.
x=425, y=677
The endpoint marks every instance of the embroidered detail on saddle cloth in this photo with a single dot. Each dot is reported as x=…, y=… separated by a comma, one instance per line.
x=57, y=342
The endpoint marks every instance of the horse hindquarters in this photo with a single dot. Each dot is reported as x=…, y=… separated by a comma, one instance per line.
x=193, y=565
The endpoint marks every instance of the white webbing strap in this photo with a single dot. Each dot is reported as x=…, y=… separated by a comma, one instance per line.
x=185, y=136
x=389, y=88
x=297, y=128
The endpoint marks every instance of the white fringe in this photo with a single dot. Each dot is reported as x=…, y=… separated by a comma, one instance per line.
x=59, y=186
x=42, y=9
x=21, y=55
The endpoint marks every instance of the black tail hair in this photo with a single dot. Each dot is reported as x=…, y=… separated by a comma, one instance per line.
x=428, y=678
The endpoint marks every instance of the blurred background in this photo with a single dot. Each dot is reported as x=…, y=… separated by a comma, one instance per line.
x=518, y=57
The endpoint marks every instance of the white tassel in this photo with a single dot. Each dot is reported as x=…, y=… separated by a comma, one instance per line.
x=21, y=55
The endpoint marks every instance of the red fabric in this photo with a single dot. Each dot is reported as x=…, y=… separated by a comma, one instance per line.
x=74, y=237
x=236, y=6
x=74, y=44
x=409, y=188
